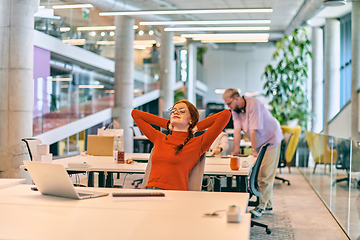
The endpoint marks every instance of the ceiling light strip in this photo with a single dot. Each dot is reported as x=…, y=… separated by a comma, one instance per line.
x=193, y=29
x=235, y=40
x=214, y=22
x=72, y=6
x=224, y=35
x=188, y=11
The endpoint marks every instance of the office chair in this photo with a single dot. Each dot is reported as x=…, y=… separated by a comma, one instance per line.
x=31, y=144
x=146, y=143
x=254, y=189
x=195, y=177
x=282, y=156
x=319, y=148
x=343, y=161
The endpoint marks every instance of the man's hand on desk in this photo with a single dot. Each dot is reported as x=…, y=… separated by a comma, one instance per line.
x=217, y=151
x=234, y=152
x=254, y=153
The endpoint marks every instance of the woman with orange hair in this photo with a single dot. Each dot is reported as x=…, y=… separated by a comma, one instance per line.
x=175, y=155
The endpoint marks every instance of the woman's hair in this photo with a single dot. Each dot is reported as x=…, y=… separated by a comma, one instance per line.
x=194, y=115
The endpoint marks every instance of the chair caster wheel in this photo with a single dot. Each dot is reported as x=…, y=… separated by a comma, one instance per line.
x=288, y=183
x=268, y=231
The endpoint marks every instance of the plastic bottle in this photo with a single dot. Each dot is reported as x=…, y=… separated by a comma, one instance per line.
x=119, y=154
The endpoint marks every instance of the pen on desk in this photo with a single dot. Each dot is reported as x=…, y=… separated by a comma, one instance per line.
x=34, y=188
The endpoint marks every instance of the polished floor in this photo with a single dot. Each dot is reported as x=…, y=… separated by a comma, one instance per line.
x=298, y=211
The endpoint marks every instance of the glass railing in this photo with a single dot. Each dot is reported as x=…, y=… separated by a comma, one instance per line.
x=332, y=167
x=61, y=99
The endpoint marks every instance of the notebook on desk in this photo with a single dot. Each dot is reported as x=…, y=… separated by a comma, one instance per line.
x=100, y=145
x=52, y=179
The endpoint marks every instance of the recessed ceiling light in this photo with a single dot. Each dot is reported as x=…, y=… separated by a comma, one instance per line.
x=141, y=32
x=188, y=11
x=151, y=32
x=215, y=22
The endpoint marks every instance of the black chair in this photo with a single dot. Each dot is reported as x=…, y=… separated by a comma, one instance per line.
x=254, y=189
x=343, y=161
x=282, y=156
x=147, y=144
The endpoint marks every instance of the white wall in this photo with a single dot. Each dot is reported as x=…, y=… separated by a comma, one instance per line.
x=238, y=68
x=340, y=125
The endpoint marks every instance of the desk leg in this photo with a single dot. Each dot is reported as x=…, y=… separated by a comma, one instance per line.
x=241, y=183
x=101, y=179
x=90, y=179
x=228, y=184
x=110, y=180
x=217, y=184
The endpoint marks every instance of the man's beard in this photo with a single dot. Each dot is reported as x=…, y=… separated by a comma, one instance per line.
x=237, y=110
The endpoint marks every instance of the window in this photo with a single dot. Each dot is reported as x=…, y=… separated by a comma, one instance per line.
x=345, y=60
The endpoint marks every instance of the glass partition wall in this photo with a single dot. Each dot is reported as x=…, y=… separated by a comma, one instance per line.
x=332, y=167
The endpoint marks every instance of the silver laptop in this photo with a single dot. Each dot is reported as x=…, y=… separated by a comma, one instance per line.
x=52, y=179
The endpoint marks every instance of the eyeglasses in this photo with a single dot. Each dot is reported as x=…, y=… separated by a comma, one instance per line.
x=179, y=111
x=230, y=102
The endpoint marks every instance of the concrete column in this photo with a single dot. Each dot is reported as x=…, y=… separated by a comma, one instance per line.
x=355, y=69
x=332, y=71
x=124, y=76
x=191, y=72
x=16, y=83
x=167, y=71
x=317, y=79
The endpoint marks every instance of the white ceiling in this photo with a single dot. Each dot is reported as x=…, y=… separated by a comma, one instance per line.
x=283, y=11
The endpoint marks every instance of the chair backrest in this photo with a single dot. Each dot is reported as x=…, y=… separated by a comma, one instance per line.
x=31, y=144
x=284, y=146
x=195, y=177
x=254, y=189
x=137, y=131
x=319, y=148
x=294, y=141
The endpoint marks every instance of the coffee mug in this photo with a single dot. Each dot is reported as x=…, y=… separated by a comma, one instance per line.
x=234, y=163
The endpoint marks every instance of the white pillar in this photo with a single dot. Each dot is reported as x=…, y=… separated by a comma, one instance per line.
x=317, y=79
x=191, y=72
x=124, y=76
x=167, y=72
x=16, y=83
x=355, y=69
x=332, y=71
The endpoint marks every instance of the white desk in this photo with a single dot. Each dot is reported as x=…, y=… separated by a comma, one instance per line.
x=30, y=215
x=9, y=182
x=105, y=165
x=222, y=160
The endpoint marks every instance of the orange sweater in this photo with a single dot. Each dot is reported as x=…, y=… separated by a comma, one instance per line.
x=170, y=171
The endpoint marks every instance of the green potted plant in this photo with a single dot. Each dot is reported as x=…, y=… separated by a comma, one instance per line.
x=285, y=82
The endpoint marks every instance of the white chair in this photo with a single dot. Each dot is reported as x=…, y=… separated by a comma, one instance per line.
x=195, y=177
x=31, y=144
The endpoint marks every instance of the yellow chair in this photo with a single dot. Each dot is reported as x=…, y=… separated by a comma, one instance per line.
x=291, y=148
x=319, y=148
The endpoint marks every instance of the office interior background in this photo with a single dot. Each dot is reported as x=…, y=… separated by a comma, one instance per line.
x=67, y=71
